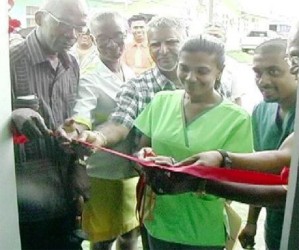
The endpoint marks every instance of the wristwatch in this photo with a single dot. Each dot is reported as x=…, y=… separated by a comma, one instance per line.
x=226, y=160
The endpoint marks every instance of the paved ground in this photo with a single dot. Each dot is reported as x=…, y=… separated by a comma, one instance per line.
x=259, y=239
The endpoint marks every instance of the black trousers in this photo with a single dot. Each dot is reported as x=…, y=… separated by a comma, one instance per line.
x=53, y=234
x=156, y=244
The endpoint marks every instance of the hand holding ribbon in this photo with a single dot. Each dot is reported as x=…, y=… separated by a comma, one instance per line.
x=209, y=173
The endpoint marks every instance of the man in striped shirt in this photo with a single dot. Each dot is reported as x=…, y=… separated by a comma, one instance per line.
x=44, y=81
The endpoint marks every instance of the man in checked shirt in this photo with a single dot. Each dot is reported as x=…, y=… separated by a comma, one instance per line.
x=165, y=36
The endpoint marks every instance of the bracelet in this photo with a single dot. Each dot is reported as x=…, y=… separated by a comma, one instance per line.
x=226, y=160
x=103, y=137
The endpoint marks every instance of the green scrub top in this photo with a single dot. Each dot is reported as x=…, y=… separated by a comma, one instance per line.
x=191, y=218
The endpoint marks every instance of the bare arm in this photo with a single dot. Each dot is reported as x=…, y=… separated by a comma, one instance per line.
x=264, y=161
x=247, y=235
x=253, y=214
x=114, y=132
x=120, y=122
x=252, y=194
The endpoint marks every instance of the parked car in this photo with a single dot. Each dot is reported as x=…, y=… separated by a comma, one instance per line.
x=255, y=38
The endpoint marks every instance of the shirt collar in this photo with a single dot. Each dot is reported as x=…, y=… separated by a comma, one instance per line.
x=37, y=55
x=135, y=44
x=161, y=80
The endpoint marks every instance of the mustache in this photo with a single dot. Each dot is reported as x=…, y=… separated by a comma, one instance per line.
x=265, y=88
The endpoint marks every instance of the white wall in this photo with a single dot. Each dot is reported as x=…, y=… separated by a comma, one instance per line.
x=9, y=228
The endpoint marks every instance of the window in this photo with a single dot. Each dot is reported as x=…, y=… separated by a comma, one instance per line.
x=30, y=12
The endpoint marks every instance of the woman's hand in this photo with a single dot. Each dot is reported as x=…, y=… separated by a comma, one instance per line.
x=148, y=154
x=145, y=153
x=162, y=160
x=162, y=181
x=210, y=158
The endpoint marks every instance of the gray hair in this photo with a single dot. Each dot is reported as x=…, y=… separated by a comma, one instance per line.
x=104, y=16
x=160, y=22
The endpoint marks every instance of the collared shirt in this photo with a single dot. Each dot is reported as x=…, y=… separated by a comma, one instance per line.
x=32, y=74
x=269, y=132
x=56, y=90
x=137, y=93
x=137, y=57
x=85, y=58
x=98, y=88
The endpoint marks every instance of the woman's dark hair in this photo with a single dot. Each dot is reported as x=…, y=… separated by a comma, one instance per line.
x=208, y=44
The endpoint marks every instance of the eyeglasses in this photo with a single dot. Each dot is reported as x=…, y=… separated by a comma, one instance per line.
x=117, y=38
x=293, y=62
x=65, y=27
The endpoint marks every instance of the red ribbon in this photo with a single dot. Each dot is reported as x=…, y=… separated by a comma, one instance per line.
x=19, y=138
x=211, y=173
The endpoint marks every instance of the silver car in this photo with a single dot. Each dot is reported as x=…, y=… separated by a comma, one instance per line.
x=255, y=38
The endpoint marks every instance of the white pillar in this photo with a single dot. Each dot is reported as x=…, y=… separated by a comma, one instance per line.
x=9, y=225
x=290, y=234
x=211, y=11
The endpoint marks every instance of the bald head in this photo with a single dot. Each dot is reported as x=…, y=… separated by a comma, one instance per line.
x=272, y=46
x=67, y=10
x=60, y=22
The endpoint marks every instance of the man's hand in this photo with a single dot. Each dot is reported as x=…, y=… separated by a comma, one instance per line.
x=210, y=158
x=88, y=142
x=246, y=237
x=68, y=132
x=30, y=123
x=96, y=138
